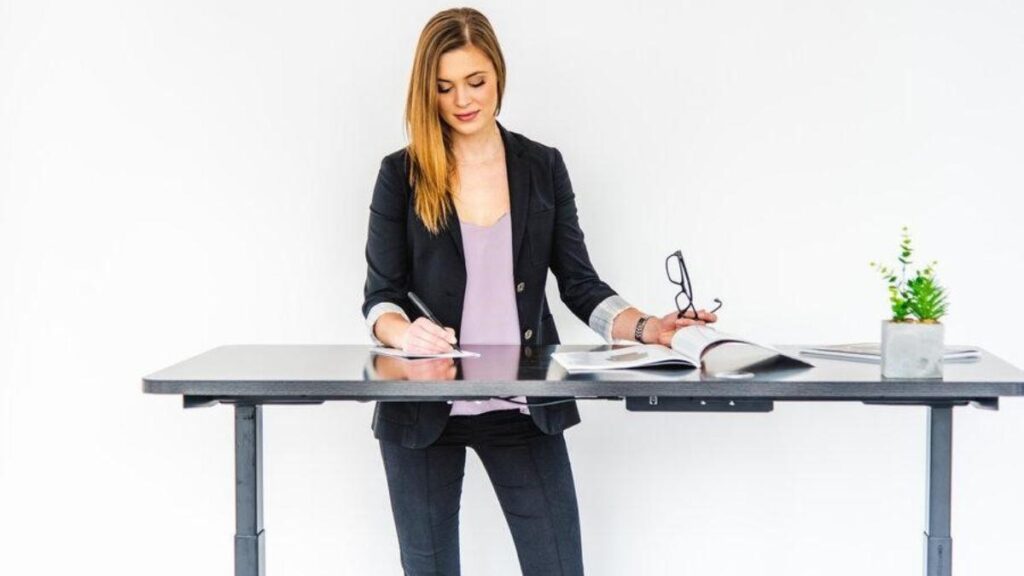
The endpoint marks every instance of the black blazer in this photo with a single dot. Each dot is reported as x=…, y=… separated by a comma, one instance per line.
x=402, y=255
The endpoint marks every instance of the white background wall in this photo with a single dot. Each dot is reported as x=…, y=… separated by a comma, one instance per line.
x=180, y=175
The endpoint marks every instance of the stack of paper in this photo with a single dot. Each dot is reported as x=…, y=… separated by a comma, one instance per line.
x=872, y=352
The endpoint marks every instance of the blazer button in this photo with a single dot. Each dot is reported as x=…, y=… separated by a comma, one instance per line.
x=528, y=334
x=521, y=286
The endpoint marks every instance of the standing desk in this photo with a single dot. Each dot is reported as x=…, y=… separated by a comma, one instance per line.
x=250, y=376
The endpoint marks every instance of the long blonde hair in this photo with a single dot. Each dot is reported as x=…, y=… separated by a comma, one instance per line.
x=432, y=169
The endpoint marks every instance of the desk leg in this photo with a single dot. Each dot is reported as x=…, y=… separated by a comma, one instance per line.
x=938, y=541
x=249, y=554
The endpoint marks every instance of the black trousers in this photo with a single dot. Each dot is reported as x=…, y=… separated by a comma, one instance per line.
x=531, y=476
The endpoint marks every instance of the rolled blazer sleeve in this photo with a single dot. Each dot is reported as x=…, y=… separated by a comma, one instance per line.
x=578, y=283
x=603, y=317
x=387, y=266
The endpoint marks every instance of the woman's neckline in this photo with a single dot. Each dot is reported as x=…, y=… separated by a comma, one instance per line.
x=500, y=218
x=496, y=148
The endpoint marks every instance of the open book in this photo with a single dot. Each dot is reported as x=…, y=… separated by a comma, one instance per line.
x=689, y=345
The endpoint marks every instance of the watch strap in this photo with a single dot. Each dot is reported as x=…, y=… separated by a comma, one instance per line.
x=638, y=334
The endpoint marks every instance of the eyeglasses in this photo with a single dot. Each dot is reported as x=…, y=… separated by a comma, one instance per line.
x=681, y=278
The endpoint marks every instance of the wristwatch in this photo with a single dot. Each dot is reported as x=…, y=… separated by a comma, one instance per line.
x=638, y=334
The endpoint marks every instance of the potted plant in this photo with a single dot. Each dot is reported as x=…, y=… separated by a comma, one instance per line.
x=912, y=341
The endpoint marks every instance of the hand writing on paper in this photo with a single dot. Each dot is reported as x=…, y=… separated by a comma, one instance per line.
x=425, y=337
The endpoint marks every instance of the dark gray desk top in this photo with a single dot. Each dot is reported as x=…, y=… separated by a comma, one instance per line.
x=351, y=372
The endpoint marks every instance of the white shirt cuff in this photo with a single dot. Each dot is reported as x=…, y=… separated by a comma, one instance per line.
x=376, y=312
x=602, y=318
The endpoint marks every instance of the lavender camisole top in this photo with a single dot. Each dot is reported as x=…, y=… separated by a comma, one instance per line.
x=490, y=314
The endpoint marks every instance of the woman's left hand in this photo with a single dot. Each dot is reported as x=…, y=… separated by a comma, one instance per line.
x=661, y=330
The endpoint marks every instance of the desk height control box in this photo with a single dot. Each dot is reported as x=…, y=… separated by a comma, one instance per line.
x=683, y=404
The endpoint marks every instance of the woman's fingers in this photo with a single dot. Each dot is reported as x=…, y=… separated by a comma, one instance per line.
x=428, y=327
x=446, y=334
x=420, y=341
x=701, y=314
x=707, y=316
x=683, y=322
x=430, y=343
x=425, y=337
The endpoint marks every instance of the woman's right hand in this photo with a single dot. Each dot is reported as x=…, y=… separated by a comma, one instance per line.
x=425, y=337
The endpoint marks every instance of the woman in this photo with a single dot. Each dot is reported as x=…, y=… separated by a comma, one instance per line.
x=470, y=217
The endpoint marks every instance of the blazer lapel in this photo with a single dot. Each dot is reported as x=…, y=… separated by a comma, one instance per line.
x=518, y=189
x=455, y=230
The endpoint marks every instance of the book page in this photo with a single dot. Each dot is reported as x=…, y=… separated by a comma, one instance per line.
x=640, y=356
x=695, y=341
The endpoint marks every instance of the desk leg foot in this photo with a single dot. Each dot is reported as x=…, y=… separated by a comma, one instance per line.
x=938, y=540
x=940, y=555
x=249, y=558
x=249, y=535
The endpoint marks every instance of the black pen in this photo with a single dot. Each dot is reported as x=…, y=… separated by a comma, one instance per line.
x=426, y=312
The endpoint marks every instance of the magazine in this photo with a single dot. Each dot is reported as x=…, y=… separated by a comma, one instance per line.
x=872, y=352
x=689, y=345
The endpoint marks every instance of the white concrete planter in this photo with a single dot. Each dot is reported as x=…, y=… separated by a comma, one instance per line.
x=912, y=349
